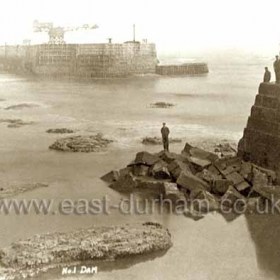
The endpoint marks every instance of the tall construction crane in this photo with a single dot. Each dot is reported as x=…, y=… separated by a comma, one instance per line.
x=56, y=33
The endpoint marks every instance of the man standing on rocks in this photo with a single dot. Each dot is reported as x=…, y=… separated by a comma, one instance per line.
x=267, y=75
x=276, y=66
x=165, y=133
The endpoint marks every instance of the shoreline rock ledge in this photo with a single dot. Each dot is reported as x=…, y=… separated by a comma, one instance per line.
x=43, y=252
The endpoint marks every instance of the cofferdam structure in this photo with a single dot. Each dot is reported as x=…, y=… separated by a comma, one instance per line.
x=92, y=60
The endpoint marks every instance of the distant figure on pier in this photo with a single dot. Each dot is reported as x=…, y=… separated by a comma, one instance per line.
x=165, y=133
x=276, y=66
x=266, y=76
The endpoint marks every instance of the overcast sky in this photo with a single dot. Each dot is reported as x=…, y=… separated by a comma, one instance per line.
x=174, y=25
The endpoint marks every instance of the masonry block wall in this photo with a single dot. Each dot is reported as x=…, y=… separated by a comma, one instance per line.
x=94, y=60
x=261, y=138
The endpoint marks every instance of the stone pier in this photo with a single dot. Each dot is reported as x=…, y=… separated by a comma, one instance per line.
x=260, y=143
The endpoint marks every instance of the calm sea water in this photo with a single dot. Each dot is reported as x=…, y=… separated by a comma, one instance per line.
x=207, y=108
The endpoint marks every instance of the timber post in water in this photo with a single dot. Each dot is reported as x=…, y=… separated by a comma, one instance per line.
x=260, y=143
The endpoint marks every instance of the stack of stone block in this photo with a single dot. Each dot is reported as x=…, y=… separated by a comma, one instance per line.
x=260, y=143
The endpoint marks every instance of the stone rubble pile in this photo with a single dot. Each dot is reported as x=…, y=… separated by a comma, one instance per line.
x=197, y=175
x=40, y=253
x=81, y=143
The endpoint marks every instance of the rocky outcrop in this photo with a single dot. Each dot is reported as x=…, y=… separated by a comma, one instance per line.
x=15, y=123
x=21, y=106
x=81, y=143
x=158, y=140
x=46, y=251
x=260, y=143
x=60, y=130
x=162, y=105
x=12, y=190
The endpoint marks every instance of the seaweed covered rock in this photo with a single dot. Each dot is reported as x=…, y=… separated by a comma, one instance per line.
x=22, y=106
x=60, y=130
x=15, y=189
x=15, y=123
x=81, y=143
x=47, y=251
x=161, y=104
x=158, y=140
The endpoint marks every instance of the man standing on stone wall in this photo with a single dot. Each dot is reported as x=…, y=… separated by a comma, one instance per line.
x=276, y=66
x=267, y=75
x=165, y=133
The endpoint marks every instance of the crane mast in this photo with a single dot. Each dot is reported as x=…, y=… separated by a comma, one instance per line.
x=56, y=33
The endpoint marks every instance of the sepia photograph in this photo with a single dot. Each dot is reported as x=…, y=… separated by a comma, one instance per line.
x=140, y=139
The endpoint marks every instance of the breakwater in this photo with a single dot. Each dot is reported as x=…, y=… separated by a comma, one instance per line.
x=183, y=69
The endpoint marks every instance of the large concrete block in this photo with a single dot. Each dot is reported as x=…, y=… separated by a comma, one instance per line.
x=176, y=167
x=146, y=158
x=198, y=153
x=191, y=182
x=172, y=192
x=111, y=177
x=126, y=183
x=159, y=170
